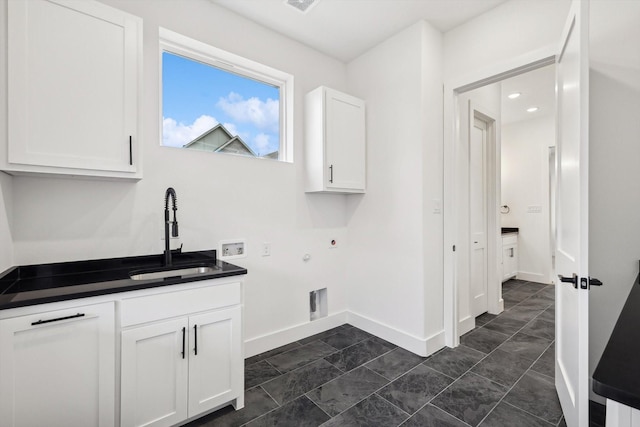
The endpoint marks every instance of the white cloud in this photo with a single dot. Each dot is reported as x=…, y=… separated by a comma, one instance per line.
x=261, y=143
x=233, y=129
x=262, y=114
x=176, y=134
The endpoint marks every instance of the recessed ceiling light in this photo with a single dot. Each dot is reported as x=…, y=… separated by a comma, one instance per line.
x=302, y=5
x=514, y=95
x=532, y=109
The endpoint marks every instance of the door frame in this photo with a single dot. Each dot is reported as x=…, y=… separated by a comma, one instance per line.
x=452, y=131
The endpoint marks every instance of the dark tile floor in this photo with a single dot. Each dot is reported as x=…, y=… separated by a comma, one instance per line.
x=500, y=375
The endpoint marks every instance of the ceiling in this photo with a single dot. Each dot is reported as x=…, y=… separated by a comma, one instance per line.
x=537, y=89
x=345, y=29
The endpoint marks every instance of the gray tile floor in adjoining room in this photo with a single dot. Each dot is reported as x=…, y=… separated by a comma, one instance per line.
x=500, y=375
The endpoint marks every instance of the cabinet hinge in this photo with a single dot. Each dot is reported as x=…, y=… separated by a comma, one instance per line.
x=454, y=248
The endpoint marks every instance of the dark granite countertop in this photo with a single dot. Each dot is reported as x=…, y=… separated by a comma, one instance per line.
x=43, y=283
x=507, y=230
x=617, y=376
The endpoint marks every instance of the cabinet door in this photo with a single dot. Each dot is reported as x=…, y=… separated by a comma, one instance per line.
x=509, y=261
x=216, y=370
x=345, y=141
x=513, y=260
x=73, y=85
x=154, y=374
x=506, y=272
x=58, y=368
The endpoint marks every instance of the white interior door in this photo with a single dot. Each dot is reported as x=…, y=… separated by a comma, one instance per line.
x=572, y=302
x=478, y=214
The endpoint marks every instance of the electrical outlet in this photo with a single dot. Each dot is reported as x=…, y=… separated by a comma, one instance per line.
x=333, y=243
x=266, y=249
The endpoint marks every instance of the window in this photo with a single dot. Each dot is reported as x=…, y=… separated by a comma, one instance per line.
x=216, y=101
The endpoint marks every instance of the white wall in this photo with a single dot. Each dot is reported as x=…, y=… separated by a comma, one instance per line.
x=6, y=199
x=6, y=241
x=510, y=30
x=525, y=182
x=614, y=176
x=219, y=196
x=395, y=267
x=432, y=169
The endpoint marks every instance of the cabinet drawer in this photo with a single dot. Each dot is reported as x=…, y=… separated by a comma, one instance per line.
x=178, y=303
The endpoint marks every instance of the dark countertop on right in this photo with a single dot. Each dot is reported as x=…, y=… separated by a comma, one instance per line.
x=617, y=376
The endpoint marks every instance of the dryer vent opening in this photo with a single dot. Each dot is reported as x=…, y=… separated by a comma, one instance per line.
x=318, y=304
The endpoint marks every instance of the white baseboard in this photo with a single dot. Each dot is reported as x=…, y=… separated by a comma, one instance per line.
x=532, y=277
x=500, y=307
x=285, y=336
x=420, y=346
x=467, y=324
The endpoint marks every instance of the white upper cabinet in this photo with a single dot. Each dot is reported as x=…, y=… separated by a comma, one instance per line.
x=74, y=87
x=335, y=145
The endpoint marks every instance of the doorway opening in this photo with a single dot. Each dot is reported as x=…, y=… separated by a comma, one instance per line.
x=472, y=259
x=503, y=175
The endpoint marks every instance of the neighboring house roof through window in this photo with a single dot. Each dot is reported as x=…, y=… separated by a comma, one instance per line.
x=219, y=140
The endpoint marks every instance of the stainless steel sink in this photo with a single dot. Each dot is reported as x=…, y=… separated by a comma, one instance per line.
x=177, y=272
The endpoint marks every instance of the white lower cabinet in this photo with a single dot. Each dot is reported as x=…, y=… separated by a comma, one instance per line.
x=621, y=415
x=181, y=356
x=509, y=256
x=154, y=375
x=176, y=369
x=214, y=372
x=57, y=368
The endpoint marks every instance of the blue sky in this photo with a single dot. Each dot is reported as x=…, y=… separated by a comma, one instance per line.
x=197, y=96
